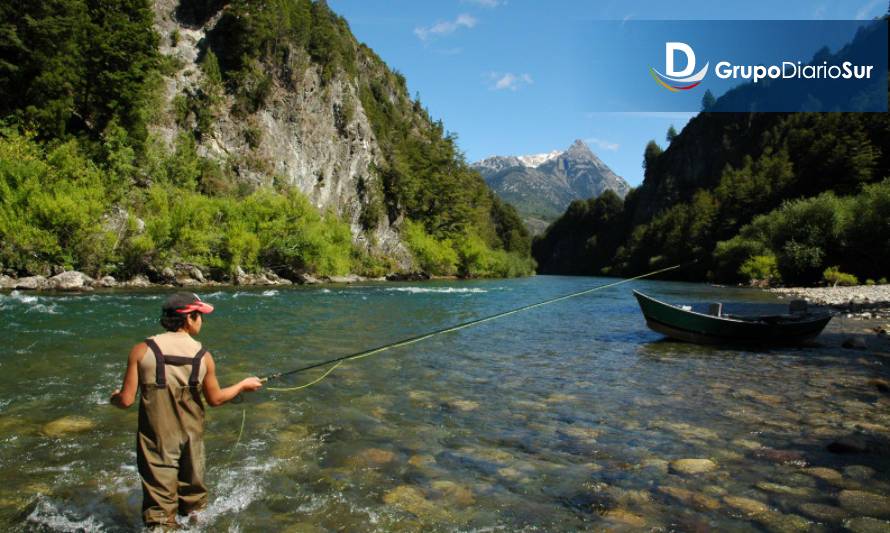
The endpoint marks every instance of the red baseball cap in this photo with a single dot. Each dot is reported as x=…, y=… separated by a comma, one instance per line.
x=185, y=302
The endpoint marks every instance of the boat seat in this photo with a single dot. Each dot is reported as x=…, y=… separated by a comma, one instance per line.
x=797, y=307
x=715, y=309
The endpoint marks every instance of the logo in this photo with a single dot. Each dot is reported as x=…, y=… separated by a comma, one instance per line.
x=683, y=80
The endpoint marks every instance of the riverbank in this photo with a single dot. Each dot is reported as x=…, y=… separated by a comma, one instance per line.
x=860, y=301
x=188, y=276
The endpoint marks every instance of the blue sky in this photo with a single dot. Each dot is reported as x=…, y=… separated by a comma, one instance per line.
x=497, y=72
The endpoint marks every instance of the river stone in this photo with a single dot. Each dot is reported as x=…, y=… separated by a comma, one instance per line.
x=693, y=466
x=458, y=494
x=823, y=513
x=67, y=425
x=866, y=524
x=625, y=517
x=106, y=281
x=463, y=405
x=746, y=505
x=138, y=281
x=775, y=488
x=865, y=503
x=783, y=523
x=419, y=460
x=410, y=499
x=859, y=472
x=747, y=444
x=32, y=283
x=781, y=456
x=373, y=457
x=826, y=474
x=70, y=281
x=7, y=282
x=580, y=432
x=691, y=498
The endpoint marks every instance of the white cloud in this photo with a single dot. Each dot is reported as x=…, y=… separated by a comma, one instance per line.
x=500, y=81
x=445, y=27
x=485, y=3
x=603, y=144
x=866, y=9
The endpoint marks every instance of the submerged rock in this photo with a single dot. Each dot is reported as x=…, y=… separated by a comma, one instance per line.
x=783, y=523
x=691, y=498
x=625, y=517
x=823, y=513
x=67, y=425
x=827, y=474
x=413, y=500
x=455, y=493
x=775, y=488
x=746, y=505
x=693, y=466
x=865, y=503
x=372, y=457
x=865, y=524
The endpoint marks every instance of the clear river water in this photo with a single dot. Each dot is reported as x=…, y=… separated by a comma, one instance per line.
x=573, y=416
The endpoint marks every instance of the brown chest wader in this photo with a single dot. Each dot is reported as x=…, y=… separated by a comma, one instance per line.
x=170, y=441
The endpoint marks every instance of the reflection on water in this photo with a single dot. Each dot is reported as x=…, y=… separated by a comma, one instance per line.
x=571, y=416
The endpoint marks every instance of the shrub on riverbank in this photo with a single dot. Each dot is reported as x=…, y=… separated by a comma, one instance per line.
x=848, y=233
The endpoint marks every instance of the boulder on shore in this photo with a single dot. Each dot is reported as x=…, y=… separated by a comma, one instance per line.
x=70, y=281
x=32, y=283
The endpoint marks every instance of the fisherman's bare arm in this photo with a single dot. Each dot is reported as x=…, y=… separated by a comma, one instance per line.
x=126, y=395
x=216, y=396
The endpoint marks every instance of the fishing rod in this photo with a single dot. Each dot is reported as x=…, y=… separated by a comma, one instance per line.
x=337, y=361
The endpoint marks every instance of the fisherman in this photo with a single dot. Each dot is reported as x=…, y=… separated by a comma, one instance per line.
x=172, y=369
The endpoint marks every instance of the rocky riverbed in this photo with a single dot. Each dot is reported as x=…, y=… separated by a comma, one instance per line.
x=861, y=301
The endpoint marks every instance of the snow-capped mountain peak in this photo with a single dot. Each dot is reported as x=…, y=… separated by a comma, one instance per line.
x=536, y=160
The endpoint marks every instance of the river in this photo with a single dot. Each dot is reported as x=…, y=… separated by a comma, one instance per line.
x=572, y=416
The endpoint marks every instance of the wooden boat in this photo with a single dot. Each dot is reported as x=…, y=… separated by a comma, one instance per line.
x=683, y=323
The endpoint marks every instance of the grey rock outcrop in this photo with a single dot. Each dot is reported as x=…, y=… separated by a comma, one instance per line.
x=299, y=135
x=70, y=281
x=32, y=283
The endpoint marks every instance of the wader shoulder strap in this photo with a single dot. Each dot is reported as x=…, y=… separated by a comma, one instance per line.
x=196, y=367
x=160, y=374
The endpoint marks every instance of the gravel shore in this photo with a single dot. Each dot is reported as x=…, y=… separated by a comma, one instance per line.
x=861, y=301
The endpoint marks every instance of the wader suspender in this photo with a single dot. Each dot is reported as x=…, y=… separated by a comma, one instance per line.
x=161, y=360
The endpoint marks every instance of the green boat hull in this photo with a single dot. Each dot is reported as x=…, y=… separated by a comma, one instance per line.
x=700, y=328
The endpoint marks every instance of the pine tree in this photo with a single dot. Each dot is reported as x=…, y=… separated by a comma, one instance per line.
x=708, y=101
x=671, y=134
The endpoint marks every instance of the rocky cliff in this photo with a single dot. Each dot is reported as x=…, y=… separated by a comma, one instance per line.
x=299, y=134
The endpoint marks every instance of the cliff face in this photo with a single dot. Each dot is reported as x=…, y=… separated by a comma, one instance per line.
x=300, y=134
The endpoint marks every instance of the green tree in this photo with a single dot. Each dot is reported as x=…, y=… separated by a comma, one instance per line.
x=708, y=101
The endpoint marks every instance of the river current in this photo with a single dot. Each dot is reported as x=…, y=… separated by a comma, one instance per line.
x=572, y=416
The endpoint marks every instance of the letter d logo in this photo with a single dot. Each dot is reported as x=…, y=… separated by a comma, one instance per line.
x=670, y=50
x=678, y=80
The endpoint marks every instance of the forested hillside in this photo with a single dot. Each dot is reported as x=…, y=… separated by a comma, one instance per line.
x=232, y=136
x=766, y=196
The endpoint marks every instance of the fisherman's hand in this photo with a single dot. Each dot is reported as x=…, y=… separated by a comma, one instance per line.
x=250, y=384
x=114, y=396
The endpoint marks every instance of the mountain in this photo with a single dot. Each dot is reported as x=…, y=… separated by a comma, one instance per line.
x=541, y=186
x=231, y=135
